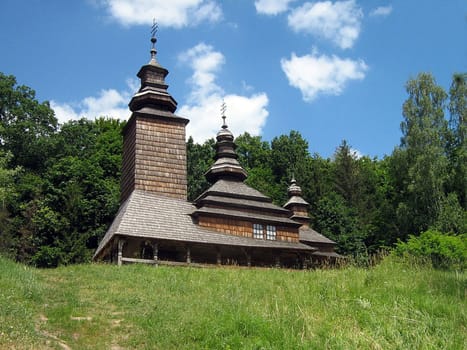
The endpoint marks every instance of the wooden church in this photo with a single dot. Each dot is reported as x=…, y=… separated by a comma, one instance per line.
x=230, y=223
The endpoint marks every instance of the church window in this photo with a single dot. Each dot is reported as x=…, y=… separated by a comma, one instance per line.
x=258, y=231
x=271, y=232
x=268, y=232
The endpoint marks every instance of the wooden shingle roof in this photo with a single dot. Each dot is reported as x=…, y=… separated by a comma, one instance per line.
x=311, y=236
x=148, y=215
x=234, y=189
x=243, y=203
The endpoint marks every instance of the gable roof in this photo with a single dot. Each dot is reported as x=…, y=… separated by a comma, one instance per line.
x=148, y=215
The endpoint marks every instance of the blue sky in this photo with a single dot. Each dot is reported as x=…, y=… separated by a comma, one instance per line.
x=332, y=70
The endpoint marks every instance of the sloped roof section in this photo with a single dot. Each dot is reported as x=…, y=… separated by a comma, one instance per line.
x=149, y=215
x=311, y=236
x=296, y=200
x=234, y=189
x=244, y=204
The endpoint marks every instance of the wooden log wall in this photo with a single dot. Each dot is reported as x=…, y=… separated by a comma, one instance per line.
x=244, y=228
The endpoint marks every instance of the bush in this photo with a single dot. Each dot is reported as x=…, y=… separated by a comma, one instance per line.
x=441, y=250
x=47, y=257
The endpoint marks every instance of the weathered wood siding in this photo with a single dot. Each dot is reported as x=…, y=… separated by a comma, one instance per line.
x=245, y=228
x=127, y=183
x=154, y=157
x=299, y=211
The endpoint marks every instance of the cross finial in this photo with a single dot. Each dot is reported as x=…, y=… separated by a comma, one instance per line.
x=293, y=181
x=154, y=28
x=223, y=109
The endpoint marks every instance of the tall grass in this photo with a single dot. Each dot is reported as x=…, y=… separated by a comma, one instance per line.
x=20, y=293
x=390, y=306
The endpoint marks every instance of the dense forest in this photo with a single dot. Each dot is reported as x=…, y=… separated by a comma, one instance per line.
x=59, y=184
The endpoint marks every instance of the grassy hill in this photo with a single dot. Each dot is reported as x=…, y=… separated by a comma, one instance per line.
x=390, y=306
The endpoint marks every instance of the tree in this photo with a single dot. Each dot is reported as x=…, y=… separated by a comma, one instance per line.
x=289, y=154
x=457, y=142
x=339, y=222
x=424, y=130
x=252, y=151
x=25, y=124
x=346, y=174
x=81, y=191
x=199, y=159
x=7, y=194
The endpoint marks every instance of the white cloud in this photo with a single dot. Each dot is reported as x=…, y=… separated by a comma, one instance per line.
x=272, y=7
x=316, y=74
x=244, y=113
x=168, y=13
x=338, y=22
x=356, y=154
x=108, y=103
x=382, y=11
x=205, y=63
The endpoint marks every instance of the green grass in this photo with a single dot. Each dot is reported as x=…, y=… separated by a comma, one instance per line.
x=390, y=306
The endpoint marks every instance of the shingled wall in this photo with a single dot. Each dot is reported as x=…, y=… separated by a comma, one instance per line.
x=154, y=157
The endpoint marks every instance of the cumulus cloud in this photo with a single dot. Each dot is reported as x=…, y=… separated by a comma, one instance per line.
x=316, y=74
x=205, y=63
x=272, y=7
x=382, y=11
x=338, y=22
x=108, y=103
x=176, y=14
x=244, y=113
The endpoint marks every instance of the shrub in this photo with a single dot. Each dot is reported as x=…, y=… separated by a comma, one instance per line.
x=441, y=250
x=47, y=257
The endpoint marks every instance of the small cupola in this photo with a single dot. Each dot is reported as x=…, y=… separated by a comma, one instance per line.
x=296, y=204
x=226, y=165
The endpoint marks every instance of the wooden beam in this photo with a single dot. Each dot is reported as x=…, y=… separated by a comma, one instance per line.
x=188, y=255
x=278, y=261
x=155, y=248
x=120, y=251
x=218, y=256
x=137, y=260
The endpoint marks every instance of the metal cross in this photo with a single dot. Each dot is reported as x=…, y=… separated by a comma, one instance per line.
x=223, y=109
x=154, y=27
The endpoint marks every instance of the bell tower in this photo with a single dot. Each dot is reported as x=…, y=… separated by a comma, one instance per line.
x=154, y=149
